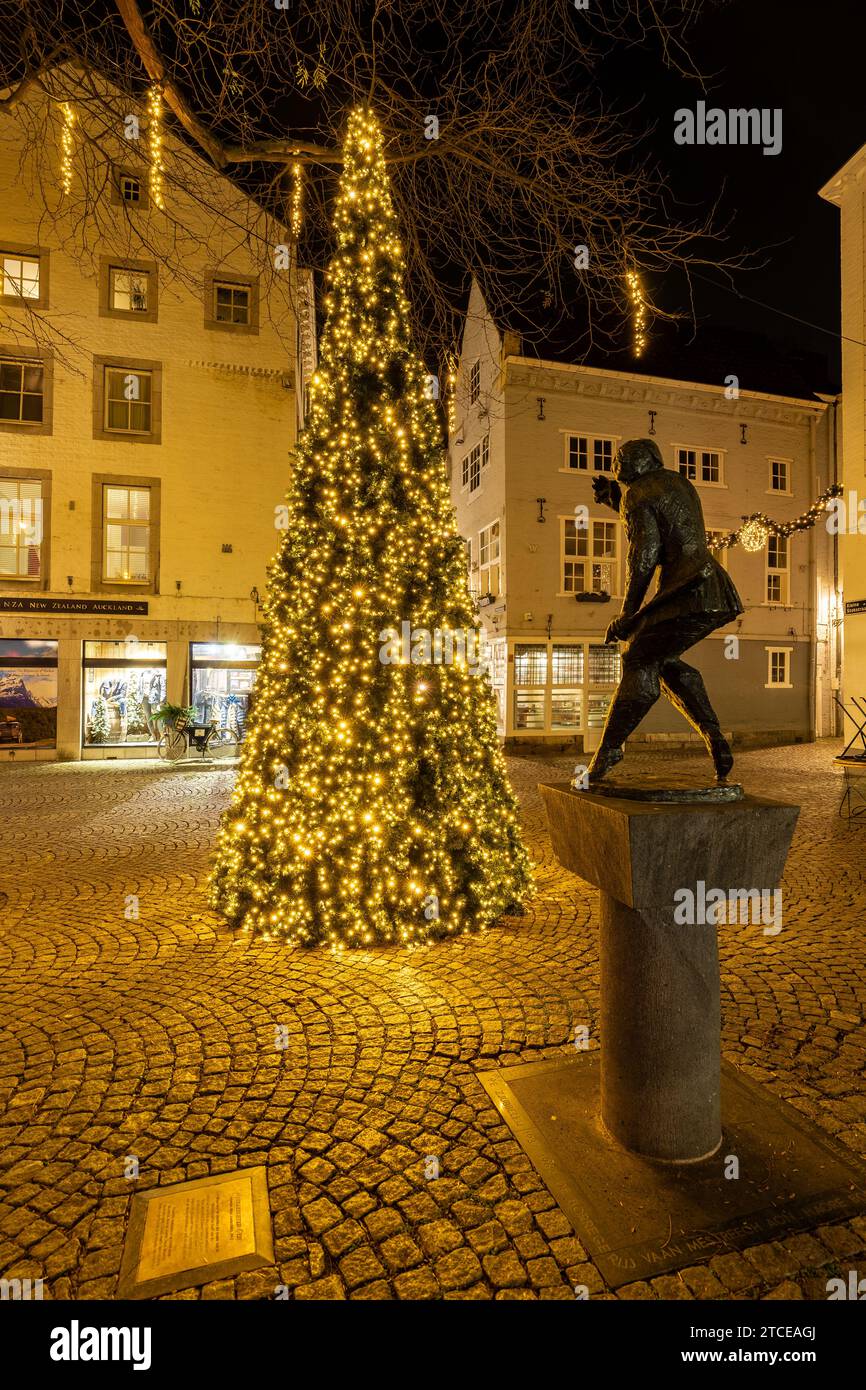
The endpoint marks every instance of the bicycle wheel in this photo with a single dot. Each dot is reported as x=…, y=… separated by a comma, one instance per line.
x=172, y=745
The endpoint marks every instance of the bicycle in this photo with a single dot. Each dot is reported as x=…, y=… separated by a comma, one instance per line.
x=183, y=734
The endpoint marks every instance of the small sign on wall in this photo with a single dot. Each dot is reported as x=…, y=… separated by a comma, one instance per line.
x=856, y=605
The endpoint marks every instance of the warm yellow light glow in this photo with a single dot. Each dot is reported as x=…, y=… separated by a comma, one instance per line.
x=67, y=146
x=639, y=311
x=154, y=142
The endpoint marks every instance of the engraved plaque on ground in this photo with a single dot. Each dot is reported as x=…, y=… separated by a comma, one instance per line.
x=194, y=1232
x=189, y=1228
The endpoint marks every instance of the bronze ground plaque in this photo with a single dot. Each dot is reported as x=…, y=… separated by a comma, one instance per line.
x=638, y=1218
x=192, y=1232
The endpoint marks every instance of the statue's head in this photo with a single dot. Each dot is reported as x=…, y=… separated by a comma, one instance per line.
x=636, y=457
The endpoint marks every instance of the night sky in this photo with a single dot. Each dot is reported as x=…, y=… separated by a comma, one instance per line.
x=807, y=59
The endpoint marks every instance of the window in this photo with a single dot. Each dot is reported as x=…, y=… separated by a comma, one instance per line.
x=128, y=289
x=488, y=560
x=589, y=557
x=126, y=530
x=779, y=668
x=580, y=448
x=28, y=693
x=124, y=684
x=231, y=302
x=23, y=276
x=21, y=504
x=20, y=277
x=474, y=462
x=222, y=678
x=530, y=685
x=127, y=400
x=22, y=390
x=777, y=569
x=605, y=665
x=780, y=475
x=566, y=699
x=700, y=465
x=130, y=188
x=720, y=553
x=474, y=382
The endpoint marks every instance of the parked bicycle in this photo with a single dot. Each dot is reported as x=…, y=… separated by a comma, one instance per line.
x=182, y=733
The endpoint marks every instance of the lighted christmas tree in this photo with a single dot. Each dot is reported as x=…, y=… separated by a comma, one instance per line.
x=372, y=802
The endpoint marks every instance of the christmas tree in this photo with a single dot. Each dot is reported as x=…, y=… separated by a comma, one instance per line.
x=372, y=802
x=98, y=723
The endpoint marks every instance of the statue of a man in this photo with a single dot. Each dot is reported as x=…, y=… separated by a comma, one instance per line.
x=664, y=525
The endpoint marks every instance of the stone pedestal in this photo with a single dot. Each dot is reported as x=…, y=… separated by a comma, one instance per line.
x=660, y=1021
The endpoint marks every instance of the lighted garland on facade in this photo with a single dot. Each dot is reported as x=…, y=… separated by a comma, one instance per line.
x=755, y=530
x=154, y=143
x=372, y=802
x=67, y=146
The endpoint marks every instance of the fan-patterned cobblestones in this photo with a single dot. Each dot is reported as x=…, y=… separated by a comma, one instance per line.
x=156, y=1038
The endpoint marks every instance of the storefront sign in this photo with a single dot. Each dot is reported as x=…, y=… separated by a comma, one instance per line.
x=73, y=605
x=856, y=605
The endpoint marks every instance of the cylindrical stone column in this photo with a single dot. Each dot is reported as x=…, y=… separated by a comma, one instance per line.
x=660, y=1033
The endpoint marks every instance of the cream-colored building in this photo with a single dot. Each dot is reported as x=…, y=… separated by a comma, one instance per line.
x=528, y=437
x=847, y=190
x=151, y=373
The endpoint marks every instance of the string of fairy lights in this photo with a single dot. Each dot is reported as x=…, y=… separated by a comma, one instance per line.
x=154, y=146
x=756, y=529
x=372, y=802
x=639, y=311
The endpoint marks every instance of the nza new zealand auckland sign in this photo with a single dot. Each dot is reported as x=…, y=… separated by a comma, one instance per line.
x=73, y=605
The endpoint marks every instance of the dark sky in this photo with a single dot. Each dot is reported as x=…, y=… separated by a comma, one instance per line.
x=809, y=59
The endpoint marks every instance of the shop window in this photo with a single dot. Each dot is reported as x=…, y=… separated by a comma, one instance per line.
x=530, y=686
x=123, y=687
x=605, y=665
x=566, y=701
x=21, y=528
x=222, y=678
x=28, y=694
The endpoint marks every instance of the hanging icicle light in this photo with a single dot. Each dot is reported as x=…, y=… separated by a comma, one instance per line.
x=67, y=146
x=154, y=139
x=639, y=312
x=297, y=199
x=451, y=392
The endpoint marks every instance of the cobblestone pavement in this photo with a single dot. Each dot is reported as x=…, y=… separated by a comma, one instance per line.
x=156, y=1038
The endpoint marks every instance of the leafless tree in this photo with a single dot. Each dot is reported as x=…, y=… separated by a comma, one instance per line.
x=502, y=156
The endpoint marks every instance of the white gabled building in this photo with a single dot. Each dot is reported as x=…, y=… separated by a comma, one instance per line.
x=528, y=437
x=152, y=369
x=847, y=190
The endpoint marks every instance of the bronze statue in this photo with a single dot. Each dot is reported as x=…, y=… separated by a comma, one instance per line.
x=664, y=525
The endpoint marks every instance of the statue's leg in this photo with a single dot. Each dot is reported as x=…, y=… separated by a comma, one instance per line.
x=635, y=696
x=684, y=687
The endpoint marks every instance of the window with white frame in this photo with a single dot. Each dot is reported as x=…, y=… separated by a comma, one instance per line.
x=719, y=552
x=780, y=475
x=474, y=462
x=777, y=569
x=700, y=465
x=126, y=534
x=488, y=560
x=21, y=528
x=20, y=276
x=474, y=381
x=583, y=451
x=566, y=696
x=530, y=685
x=128, y=290
x=589, y=557
x=779, y=668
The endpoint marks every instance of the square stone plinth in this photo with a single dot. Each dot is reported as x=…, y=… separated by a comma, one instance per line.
x=641, y=852
x=638, y=1218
